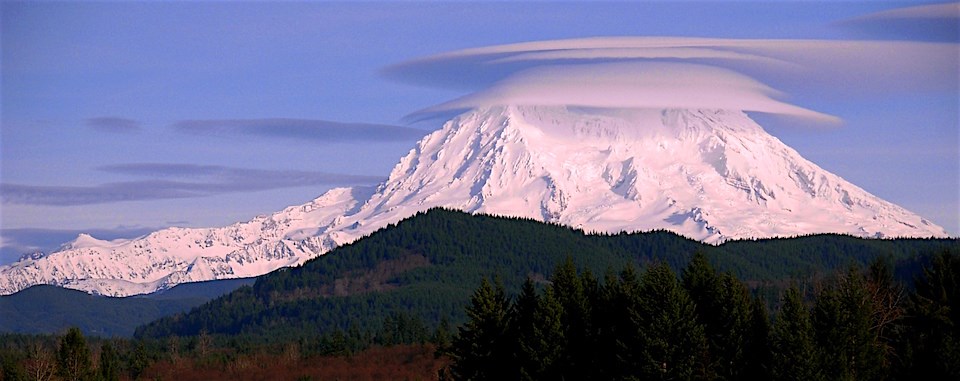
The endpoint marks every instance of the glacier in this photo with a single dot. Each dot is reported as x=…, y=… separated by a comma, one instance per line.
x=710, y=175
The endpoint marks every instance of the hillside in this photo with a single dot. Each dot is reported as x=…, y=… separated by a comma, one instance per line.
x=428, y=265
x=47, y=309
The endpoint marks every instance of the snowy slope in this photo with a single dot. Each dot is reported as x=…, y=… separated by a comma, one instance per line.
x=171, y=256
x=711, y=175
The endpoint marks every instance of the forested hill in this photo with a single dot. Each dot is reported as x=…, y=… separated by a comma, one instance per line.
x=427, y=266
x=46, y=309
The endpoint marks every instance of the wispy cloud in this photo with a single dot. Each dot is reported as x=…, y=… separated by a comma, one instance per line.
x=170, y=181
x=304, y=129
x=920, y=12
x=932, y=22
x=829, y=66
x=104, y=193
x=114, y=124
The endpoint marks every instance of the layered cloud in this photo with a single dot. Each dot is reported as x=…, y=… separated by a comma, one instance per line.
x=632, y=85
x=304, y=129
x=169, y=181
x=674, y=72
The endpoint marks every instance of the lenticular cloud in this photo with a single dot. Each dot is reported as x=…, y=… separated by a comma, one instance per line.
x=632, y=85
x=674, y=72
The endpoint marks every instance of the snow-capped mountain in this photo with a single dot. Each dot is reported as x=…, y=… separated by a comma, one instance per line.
x=710, y=175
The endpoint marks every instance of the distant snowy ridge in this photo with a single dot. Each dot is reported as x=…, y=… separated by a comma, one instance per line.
x=711, y=175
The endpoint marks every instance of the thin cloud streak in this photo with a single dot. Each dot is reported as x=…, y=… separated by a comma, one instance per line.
x=929, y=11
x=169, y=181
x=933, y=22
x=301, y=129
x=100, y=194
x=113, y=124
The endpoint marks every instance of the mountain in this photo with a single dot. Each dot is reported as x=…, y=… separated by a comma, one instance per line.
x=426, y=267
x=45, y=309
x=711, y=175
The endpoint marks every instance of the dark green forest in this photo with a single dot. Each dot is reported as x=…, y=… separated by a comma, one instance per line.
x=855, y=324
x=446, y=294
x=428, y=265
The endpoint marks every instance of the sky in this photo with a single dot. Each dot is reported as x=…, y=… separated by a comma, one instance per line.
x=119, y=118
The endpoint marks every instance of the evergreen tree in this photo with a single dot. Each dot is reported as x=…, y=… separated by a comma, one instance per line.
x=700, y=280
x=522, y=329
x=109, y=363
x=670, y=344
x=791, y=341
x=73, y=357
x=480, y=350
x=723, y=308
x=729, y=328
x=931, y=331
x=569, y=290
x=138, y=360
x=844, y=328
x=618, y=332
x=536, y=328
x=442, y=337
x=548, y=338
x=756, y=352
x=10, y=369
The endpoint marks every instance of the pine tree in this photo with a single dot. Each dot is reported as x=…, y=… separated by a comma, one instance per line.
x=480, y=351
x=442, y=336
x=522, y=329
x=73, y=357
x=536, y=325
x=791, y=341
x=729, y=328
x=109, y=363
x=616, y=331
x=931, y=337
x=670, y=344
x=569, y=290
x=700, y=280
x=138, y=360
x=844, y=328
x=723, y=308
x=757, y=349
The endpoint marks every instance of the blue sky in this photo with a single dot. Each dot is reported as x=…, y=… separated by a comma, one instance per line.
x=121, y=117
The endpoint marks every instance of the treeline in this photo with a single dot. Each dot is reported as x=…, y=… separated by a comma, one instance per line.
x=856, y=324
x=403, y=348
x=69, y=357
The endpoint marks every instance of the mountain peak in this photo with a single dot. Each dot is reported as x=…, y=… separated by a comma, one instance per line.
x=711, y=175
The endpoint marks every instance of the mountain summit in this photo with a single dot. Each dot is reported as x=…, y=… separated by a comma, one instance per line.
x=711, y=175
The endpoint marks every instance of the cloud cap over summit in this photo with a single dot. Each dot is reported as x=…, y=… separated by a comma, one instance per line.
x=674, y=72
